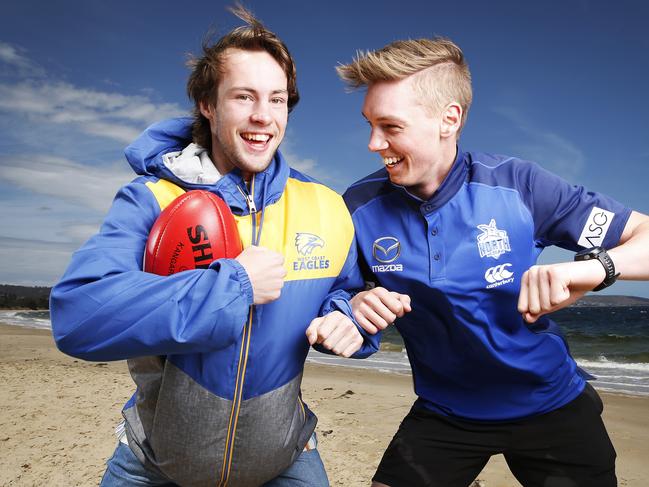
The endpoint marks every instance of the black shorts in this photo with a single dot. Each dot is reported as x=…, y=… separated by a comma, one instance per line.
x=568, y=447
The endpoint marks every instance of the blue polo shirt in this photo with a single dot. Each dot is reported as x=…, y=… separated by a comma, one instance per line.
x=460, y=256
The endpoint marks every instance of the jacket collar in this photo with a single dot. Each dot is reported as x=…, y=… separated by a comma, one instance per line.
x=145, y=155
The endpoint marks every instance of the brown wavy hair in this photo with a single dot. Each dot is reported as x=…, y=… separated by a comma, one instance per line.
x=202, y=85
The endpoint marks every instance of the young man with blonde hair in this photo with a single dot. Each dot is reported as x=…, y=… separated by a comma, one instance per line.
x=217, y=353
x=459, y=233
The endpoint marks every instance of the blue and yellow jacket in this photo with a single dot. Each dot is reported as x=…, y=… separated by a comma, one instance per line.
x=218, y=380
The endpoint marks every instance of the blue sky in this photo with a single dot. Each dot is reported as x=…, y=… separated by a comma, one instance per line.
x=559, y=82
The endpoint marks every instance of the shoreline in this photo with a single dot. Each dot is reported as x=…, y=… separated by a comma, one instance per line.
x=58, y=416
x=613, y=371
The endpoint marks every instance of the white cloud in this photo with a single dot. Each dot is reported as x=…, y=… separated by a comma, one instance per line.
x=65, y=140
x=46, y=100
x=90, y=186
x=10, y=55
x=33, y=263
x=556, y=153
x=92, y=112
x=306, y=165
x=80, y=232
x=121, y=133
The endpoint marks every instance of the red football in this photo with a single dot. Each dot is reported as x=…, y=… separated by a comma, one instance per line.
x=194, y=230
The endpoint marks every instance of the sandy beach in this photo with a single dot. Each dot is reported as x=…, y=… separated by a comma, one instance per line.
x=57, y=416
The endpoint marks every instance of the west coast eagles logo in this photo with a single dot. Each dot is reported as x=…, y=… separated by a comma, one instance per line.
x=492, y=242
x=305, y=244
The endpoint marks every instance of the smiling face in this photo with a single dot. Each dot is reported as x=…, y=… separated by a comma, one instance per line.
x=416, y=145
x=251, y=112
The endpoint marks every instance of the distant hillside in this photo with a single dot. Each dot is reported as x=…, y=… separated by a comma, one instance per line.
x=24, y=297
x=593, y=301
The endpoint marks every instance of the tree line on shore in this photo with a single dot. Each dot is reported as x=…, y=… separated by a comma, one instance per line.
x=37, y=297
x=24, y=297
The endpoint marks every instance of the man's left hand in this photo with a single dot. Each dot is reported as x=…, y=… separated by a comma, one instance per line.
x=547, y=288
x=335, y=332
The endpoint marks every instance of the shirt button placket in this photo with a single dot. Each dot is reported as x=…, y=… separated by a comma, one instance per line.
x=436, y=263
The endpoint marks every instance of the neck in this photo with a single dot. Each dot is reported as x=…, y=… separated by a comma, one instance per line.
x=439, y=171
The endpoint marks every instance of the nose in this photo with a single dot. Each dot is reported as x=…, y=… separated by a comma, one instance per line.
x=261, y=113
x=377, y=142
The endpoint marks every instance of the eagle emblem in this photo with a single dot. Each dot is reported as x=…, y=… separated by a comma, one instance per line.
x=306, y=242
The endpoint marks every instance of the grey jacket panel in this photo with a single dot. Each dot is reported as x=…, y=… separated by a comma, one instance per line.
x=180, y=429
x=280, y=427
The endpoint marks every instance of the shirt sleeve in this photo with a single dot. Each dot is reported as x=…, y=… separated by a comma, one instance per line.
x=106, y=308
x=347, y=283
x=569, y=216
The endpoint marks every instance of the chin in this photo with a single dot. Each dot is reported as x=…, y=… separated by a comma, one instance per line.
x=255, y=166
x=396, y=179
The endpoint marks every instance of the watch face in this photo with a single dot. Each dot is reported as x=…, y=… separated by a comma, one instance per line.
x=587, y=254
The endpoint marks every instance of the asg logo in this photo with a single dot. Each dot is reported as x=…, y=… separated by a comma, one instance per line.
x=306, y=242
x=596, y=228
x=498, y=275
x=492, y=242
x=386, y=250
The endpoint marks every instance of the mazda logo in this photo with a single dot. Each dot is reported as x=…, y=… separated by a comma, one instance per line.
x=386, y=249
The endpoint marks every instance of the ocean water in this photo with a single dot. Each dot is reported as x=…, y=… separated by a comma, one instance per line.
x=28, y=319
x=610, y=343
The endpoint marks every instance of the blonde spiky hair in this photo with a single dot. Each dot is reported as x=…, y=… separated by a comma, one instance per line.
x=441, y=73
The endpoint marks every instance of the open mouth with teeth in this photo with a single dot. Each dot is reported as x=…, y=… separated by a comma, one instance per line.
x=255, y=140
x=392, y=161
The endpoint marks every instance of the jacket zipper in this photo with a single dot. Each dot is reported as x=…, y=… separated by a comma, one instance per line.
x=243, y=353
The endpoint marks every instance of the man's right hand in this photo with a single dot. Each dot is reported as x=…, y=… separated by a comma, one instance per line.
x=377, y=308
x=265, y=269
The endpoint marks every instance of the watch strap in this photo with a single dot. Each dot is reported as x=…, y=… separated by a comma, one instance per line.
x=602, y=256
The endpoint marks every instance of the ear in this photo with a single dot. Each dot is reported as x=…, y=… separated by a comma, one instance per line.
x=207, y=110
x=451, y=120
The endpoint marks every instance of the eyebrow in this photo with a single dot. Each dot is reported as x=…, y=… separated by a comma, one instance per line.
x=252, y=90
x=386, y=118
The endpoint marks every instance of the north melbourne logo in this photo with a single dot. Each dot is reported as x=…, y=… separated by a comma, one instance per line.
x=498, y=275
x=492, y=242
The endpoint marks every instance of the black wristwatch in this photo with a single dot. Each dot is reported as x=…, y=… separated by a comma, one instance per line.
x=600, y=254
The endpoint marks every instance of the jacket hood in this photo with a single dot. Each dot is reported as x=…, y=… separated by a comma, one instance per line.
x=162, y=151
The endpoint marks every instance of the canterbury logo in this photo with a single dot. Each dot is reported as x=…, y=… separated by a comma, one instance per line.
x=386, y=249
x=498, y=273
x=306, y=242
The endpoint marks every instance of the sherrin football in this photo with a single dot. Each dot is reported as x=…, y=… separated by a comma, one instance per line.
x=194, y=230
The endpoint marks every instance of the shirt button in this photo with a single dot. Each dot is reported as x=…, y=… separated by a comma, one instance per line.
x=436, y=256
x=433, y=232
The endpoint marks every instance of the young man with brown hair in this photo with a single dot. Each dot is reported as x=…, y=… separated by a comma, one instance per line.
x=459, y=233
x=218, y=354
